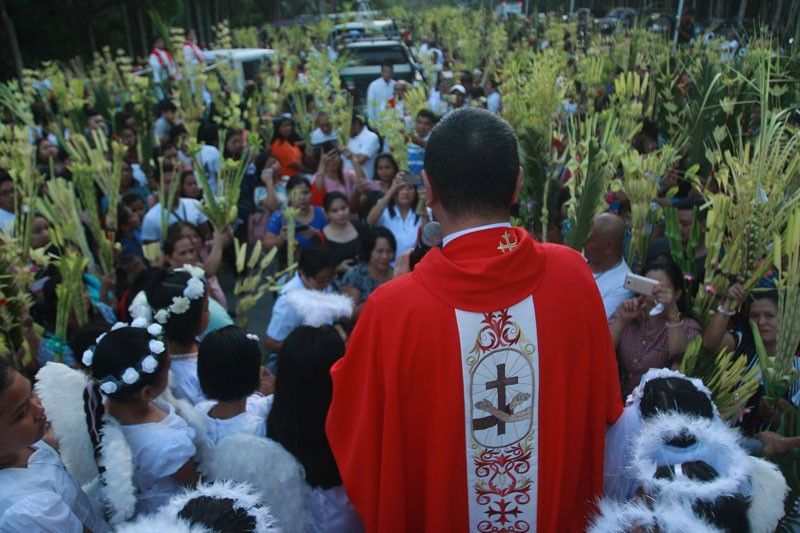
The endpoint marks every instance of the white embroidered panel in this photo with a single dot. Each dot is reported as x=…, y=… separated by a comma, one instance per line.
x=500, y=369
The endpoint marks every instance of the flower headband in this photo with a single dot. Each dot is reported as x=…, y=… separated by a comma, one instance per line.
x=194, y=290
x=148, y=364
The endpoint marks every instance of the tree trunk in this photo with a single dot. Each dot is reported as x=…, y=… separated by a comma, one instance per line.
x=742, y=10
x=12, y=39
x=142, y=31
x=777, y=16
x=126, y=21
x=791, y=18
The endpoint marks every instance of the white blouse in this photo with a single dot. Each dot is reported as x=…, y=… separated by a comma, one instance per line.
x=159, y=450
x=44, y=497
x=252, y=421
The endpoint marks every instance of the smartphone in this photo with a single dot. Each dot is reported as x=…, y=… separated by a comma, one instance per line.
x=640, y=284
x=412, y=179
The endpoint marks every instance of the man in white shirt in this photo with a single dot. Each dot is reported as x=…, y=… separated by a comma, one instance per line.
x=364, y=145
x=458, y=98
x=6, y=202
x=603, y=251
x=324, y=131
x=380, y=90
x=493, y=104
x=185, y=209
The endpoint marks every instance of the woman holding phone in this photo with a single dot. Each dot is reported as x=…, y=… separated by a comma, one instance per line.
x=396, y=211
x=309, y=219
x=332, y=177
x=646, y=340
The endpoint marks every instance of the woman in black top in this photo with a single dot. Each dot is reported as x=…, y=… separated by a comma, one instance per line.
x=341, y=235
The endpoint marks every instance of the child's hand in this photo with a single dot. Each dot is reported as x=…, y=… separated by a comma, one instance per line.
x=267, y=382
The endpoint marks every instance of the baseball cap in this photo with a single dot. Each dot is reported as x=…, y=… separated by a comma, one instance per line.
x=458, y=88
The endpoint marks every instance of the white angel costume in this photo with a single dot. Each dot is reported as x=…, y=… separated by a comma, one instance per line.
x=44, y=497
x=159, y=450
x=253, y=421
x=169, y=519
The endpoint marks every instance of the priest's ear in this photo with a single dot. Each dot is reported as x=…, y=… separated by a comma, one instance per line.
x=431, y=198
x=517, y=188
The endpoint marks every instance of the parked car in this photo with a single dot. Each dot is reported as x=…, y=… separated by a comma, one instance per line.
x=364, y=29
x=617, y=18
x=363, y=64
x=247, y=63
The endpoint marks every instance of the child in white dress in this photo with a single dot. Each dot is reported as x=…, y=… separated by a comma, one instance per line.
x=179, y=301
x=36, y=492
x=131, y=366
x=230, y=373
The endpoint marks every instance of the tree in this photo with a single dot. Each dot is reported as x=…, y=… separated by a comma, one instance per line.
x=12, y=38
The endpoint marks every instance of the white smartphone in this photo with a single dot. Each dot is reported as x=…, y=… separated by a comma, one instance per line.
x=640, y=284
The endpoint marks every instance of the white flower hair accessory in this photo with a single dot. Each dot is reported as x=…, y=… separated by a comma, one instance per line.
x=180, y=304
x=195, y=289
x=148, y=364
x=253, y=337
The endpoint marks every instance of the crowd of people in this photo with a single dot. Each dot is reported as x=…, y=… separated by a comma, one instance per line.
x=159, y=412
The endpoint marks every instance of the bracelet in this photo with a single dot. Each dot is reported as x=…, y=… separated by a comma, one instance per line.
x=723, y=311
x=675, y=324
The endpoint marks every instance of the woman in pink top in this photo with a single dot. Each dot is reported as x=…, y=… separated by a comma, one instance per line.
x=331, y=176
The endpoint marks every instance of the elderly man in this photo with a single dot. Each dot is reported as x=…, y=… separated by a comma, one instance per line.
x=603, y=251
x=324, y=131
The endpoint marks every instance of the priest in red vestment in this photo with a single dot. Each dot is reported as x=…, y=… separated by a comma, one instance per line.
x=475, y=391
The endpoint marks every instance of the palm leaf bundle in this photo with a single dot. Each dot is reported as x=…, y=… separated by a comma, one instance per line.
x=252, y=265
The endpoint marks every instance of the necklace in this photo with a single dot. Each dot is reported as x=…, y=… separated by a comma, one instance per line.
x=183, y=356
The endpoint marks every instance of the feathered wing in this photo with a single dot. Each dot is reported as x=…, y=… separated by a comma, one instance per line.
x=769, y=493
x=620, y=517
x=118, y=488
x=154, y=523
x=60, y=389
x=244, y=496
x=269, y=468
x=319, y=308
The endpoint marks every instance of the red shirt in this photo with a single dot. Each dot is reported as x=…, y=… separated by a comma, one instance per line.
x=286, y=153
x=397, y=420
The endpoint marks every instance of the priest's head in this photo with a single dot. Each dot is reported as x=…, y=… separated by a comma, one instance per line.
x=472, y=173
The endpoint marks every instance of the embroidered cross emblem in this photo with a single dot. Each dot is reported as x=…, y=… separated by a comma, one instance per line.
x=506, y=244
x=500, y=384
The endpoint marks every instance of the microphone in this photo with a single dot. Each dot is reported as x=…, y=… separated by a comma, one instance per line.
x=430, y=238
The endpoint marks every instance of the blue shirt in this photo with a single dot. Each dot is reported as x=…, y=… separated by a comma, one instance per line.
x=416, y=158
x=276, y=222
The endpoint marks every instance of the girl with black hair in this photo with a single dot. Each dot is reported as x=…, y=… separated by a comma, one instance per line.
x=332, y=177
x=303, y=391
x=396, y=211
x=36, y=491
x=230, y=373
x=179, y=302
x=341, y=235
x=129, y=367
x=644, y=341
x=286, y=148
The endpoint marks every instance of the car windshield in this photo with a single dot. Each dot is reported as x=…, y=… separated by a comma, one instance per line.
x=377, y=55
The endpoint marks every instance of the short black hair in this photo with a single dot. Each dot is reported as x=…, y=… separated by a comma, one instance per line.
x=674, y=394
x=130, y=198
x=472, y=162
x=314, y=259
x=371, y=239
x=165, y=105
x=332, y=197
x=689, y=203
x=296, y=181
x=228, y=364
x=387, y=63
x=209, y=134
x=5, y=176
x=7, y=370
x=430, y=115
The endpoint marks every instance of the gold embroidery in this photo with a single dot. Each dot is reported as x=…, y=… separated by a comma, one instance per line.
x=507, y=245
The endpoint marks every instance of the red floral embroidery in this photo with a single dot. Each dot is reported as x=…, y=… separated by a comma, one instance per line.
x=499, y=331
x=503, y=487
